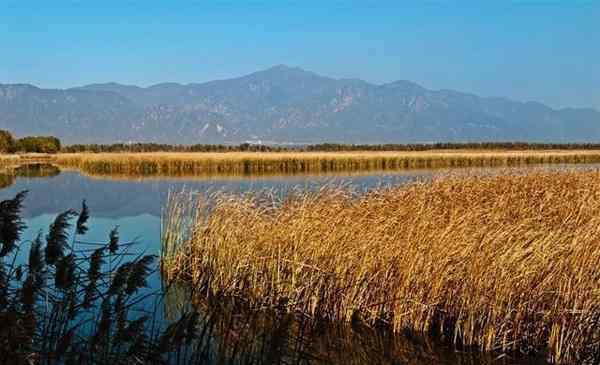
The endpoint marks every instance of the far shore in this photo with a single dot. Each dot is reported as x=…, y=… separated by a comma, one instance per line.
x=257, y=163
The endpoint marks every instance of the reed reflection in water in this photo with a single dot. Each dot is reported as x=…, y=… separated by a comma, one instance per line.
x=230, y=333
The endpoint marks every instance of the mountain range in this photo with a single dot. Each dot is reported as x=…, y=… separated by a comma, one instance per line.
x=284, y=105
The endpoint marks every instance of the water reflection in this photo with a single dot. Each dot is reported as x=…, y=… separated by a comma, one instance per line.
x=230, y=334
x=114, y=198
x=6, y=180
x=53, y=191
x=36, y=170
x=8, y=175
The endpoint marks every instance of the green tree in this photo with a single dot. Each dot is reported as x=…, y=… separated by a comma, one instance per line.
x=39, y=144
x=7, y=142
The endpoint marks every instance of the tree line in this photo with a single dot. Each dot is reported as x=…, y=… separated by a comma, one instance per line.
x=49, y=144
x=325, y=147
x=37, y=144
x=158, y=147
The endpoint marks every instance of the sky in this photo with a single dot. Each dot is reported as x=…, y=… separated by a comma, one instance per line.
x=546, y=51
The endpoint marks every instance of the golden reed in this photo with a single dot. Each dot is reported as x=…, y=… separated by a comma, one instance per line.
x=260, y=163
x=503, y=263
x=6, y=160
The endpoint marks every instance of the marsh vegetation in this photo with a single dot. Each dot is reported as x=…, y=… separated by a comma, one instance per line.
x=325, y=147
x=488, y=263
x=499, y=263
x=81, y=309
x=72, y=301
x=254, y=163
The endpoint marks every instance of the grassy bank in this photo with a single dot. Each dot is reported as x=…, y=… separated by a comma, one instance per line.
x=13, y=167
x=256, y=163
x=25, y=158
x=509, y=263
x=6, y=160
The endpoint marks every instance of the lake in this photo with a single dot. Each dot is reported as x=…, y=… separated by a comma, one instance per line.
x=134, y=205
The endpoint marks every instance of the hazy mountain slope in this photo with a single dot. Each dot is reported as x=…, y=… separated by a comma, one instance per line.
x=70, y=114
x=284, y=104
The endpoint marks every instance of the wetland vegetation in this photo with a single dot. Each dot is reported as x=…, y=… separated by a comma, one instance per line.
x=499, y=263
x=71, y=301
x=323, y=147
x=255, y=163
x=473, y=267
x=30, y=144
x=88, y=304
x=146, y=159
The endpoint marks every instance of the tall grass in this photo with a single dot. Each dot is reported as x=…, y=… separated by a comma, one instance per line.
x=501, y=263
x=6, y=160
x=12, y=160
x=249, y=163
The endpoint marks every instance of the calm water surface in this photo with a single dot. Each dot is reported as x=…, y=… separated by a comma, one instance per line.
x=135, y=206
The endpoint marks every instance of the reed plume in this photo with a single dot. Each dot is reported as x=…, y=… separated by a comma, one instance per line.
x=63, y=326
x=138, y=273
x=57, y=237
x=113, y=240
x=84, y=215
x=11, y=224
x=65, y=272
x=93, y=274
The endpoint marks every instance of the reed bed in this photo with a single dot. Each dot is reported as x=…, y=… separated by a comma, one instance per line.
x=257, y=163
x=6, y=160
x=500, y=263
x=7, y=178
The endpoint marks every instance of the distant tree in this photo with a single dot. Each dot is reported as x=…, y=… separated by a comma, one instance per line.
x=7, y=142
x=38, y=144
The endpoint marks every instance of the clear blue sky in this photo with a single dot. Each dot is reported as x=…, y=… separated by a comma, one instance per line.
x=546, y=51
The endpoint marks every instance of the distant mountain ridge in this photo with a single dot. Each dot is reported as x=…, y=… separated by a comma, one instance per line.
x=284, y=105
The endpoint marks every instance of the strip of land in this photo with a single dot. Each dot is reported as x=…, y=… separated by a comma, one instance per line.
x=281, y=163
x=260, y=163
x=6, y=160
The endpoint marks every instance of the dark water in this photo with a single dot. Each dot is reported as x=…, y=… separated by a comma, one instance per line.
x=135, y=206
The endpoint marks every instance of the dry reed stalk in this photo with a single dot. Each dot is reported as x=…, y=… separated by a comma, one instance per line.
x=508, y=263
x=247, y=163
